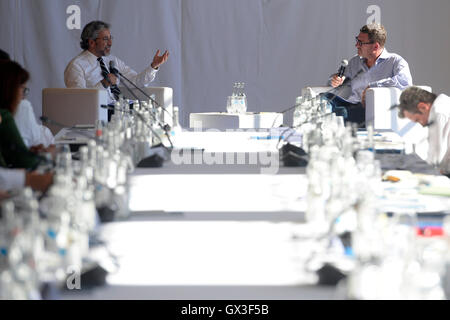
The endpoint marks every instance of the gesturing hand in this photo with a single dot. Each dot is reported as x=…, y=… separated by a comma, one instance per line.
x=159, y=60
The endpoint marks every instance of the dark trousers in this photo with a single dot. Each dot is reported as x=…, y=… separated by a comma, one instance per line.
x=352, y=112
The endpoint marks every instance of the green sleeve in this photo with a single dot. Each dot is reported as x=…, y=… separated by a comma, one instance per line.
x=12, y=148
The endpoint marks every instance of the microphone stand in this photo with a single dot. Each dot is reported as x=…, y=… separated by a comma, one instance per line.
x=117, y=72
x=340, y=88
x=143, y=120
x=164, y=128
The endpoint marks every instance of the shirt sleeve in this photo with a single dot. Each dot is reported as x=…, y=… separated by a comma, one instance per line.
x=74, y=76
x=142, y=79
x=441, y=138
x=12, y=179
x=26, y=123
x=401, y=78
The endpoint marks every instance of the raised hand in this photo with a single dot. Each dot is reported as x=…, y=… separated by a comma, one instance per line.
x=159, y=60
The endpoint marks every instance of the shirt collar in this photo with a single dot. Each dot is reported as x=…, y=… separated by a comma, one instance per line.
x=432, y=114
x=91, y=57
x=440, y=99
x=383, y=56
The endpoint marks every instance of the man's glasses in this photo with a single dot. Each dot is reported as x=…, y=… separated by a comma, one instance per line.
x=106, y=39
x=360, y=43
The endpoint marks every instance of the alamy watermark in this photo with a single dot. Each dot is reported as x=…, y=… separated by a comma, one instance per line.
x=73, y=280
x=268, y=161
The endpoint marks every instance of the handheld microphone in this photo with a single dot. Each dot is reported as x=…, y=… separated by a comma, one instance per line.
x=341, y=71
x=112, y=68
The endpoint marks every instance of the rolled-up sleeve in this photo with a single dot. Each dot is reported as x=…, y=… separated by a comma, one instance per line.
x=142, y=79
x=74, y=76
x=12, y=179
x=401, y=78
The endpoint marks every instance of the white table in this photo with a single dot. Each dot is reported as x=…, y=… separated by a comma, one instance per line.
x=214, y=231
x=223, y=120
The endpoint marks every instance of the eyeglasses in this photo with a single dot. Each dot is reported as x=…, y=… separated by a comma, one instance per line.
x=26, y=91
x=360, y=43
x=106, y=39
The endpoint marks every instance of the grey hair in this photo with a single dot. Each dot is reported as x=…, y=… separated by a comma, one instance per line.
x=411, y=97
x=91, y=31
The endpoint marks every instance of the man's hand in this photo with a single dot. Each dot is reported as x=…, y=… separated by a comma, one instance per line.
x=38, y=181
x=336, y=81
x=159, y=60
x=40, y=148
x=112, y=78
x=37, y=149
x=109, y=80
x=3, y=195
x=363, y=97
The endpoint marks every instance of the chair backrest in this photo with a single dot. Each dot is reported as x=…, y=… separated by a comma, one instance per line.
x=162, y=95
x=73, y=106
x=379, y=113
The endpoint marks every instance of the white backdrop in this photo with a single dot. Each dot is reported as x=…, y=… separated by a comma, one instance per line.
x=275, y=46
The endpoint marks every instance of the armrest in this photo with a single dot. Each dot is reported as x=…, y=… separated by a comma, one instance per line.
x=378, y=107
x=379, y=113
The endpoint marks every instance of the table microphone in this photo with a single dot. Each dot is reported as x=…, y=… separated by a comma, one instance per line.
x=115, y=71
x=298, y=104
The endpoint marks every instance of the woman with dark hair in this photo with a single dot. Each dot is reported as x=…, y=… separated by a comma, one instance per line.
x=13, y=152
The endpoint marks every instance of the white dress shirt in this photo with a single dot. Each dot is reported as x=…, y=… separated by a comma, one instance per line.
x=11, y=179
x=84, y=72
x=32, y=132
x=439, y=133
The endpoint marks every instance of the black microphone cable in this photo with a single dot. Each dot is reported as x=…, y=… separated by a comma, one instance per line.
x=117, y=72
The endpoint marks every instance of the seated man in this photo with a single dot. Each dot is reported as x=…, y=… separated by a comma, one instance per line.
x=372, y=67
x=430, y=111
x=90, y=69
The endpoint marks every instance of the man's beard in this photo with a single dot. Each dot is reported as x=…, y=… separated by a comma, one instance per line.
x=106, y=52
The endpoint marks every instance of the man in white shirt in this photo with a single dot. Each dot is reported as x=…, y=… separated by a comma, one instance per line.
x=90, y=69
x=430, y=111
